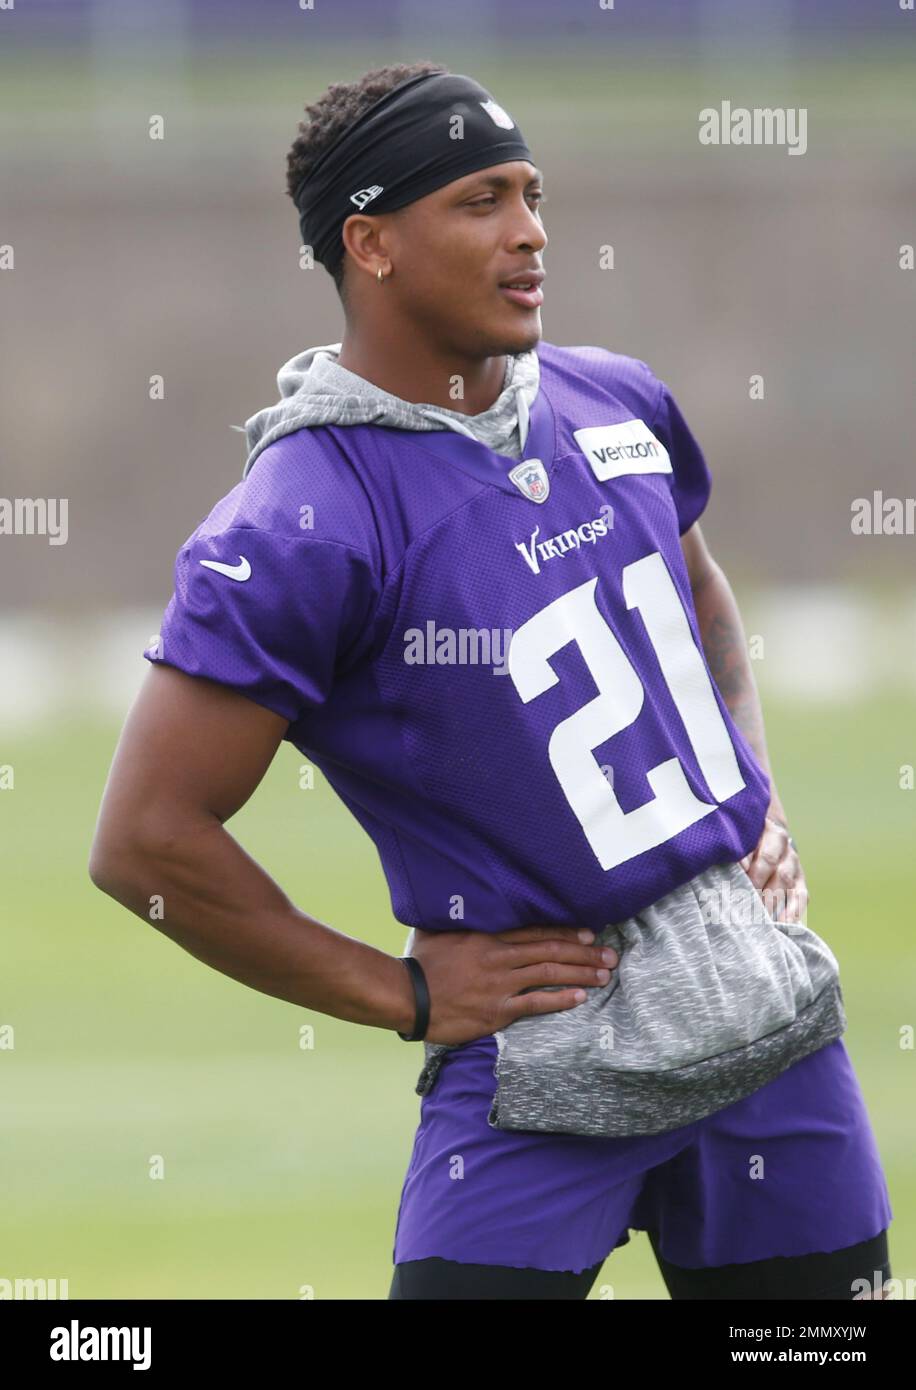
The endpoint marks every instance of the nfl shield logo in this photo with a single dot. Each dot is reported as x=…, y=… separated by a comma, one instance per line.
x=497, y=114
x=531, y=479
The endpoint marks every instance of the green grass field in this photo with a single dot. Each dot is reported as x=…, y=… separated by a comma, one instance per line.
x=283, y=1166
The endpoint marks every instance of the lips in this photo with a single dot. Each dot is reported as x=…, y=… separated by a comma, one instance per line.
x=524, y=288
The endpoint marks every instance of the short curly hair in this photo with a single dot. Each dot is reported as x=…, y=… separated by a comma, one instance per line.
x=333, y=113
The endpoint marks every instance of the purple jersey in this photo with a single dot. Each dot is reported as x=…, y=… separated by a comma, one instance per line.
x=496, y=665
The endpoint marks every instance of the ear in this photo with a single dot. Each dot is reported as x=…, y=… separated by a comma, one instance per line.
x=363, y=237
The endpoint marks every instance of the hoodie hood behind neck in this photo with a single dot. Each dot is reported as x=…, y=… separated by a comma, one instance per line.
x=315, y=390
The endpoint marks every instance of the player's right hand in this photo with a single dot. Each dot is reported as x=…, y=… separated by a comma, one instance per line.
x=481, y=981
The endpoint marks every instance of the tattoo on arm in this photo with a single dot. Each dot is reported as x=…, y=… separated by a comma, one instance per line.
x=726, y=651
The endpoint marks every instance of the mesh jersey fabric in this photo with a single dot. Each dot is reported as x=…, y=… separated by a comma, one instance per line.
x=361, y=537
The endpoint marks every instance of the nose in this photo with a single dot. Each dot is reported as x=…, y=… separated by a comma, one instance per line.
x=532, y=237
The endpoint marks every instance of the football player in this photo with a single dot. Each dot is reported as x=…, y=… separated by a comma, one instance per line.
x=463, y=575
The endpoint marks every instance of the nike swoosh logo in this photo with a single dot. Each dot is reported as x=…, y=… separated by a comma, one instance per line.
x=241, y=571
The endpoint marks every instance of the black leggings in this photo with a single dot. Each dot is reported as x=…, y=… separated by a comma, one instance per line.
x=819, y=1276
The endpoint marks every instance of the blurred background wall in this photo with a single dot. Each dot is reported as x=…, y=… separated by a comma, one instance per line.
x=127, y=257
x=177, y=257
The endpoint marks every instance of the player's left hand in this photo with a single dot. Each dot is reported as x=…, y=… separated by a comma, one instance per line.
x=776, y=872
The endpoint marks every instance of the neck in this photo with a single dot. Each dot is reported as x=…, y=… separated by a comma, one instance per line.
x=421, y=374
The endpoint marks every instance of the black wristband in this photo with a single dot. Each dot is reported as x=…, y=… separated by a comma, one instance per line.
x=421, y=996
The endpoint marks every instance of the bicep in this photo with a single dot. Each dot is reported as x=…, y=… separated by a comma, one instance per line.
x=191, y=749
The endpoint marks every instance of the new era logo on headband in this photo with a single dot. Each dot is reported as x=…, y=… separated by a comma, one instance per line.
x=365, y=195
x=498, y=115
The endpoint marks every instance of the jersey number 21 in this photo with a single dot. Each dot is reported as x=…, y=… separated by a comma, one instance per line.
x=616, y=835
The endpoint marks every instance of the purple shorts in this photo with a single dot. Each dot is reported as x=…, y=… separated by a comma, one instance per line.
x=792, y=1169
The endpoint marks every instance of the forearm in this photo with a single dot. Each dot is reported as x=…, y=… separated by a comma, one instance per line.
x=725, y=646
x=223, y=908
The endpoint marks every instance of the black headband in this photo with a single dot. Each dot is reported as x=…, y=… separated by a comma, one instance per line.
x=404, y=146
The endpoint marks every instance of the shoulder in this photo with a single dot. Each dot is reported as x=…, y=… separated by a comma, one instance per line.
x=299, y=487
x=629, y=379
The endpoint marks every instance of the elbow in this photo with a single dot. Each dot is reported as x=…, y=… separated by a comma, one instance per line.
x=123, y=861
x=116, y=866
x=106, y=868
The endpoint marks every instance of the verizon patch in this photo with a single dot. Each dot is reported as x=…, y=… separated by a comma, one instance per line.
x=629, y=447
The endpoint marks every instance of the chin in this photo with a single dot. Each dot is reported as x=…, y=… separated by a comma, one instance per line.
x=496, y=338
x=523, y=339
x=532, y=338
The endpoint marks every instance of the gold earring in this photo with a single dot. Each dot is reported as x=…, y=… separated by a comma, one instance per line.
x=379, y=276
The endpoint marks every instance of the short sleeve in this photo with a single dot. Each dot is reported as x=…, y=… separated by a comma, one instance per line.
x=273, y=616
x=691, y=482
